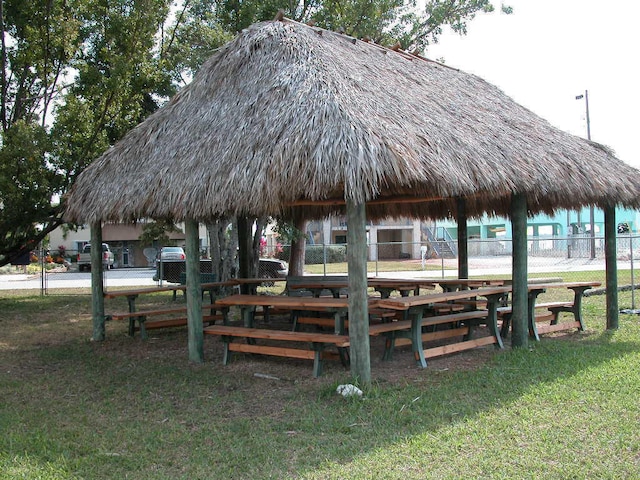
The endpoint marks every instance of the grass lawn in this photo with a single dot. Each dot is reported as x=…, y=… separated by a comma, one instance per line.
x=567, y=407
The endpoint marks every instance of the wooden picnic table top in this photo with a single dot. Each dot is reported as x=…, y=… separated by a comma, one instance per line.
x=404, y=303
x=165, y=288
x=278, y=301
x=406, y=283
x=251, y=281
x=545, y=285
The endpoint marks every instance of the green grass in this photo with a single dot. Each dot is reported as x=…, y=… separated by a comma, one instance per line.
x=73, y=409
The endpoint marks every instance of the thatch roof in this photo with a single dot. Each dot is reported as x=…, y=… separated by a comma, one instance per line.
x=288, y=114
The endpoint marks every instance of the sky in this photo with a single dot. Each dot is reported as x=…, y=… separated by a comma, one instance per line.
x=549, y=51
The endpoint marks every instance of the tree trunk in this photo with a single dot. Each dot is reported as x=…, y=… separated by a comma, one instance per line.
x=224, y=245
x=296, y=259
x=261, y=224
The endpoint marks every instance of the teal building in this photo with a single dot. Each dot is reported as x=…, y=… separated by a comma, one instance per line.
x=563, y=224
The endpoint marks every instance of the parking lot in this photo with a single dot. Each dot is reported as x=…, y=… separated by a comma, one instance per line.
x=74, y=279
x=128, y=277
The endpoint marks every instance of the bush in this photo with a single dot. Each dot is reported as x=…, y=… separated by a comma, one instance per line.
x=314, y=254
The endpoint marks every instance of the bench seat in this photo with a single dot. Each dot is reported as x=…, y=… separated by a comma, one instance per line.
x=399, y=333
x=318, y=341
x=551, y=315
x=375, y=315
x=144, y=324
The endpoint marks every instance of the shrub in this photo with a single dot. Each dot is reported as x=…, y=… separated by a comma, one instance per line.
x=314, y=254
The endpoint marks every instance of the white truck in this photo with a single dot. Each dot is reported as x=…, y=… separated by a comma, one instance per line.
x=84, y=258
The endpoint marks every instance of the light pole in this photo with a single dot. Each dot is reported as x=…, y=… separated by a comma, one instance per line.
x=591, y=209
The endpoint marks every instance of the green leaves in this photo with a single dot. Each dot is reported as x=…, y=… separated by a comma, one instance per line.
x=77, y=75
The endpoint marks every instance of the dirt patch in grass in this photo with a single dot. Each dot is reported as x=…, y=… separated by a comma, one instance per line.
x=42, y=336
x=46, y=343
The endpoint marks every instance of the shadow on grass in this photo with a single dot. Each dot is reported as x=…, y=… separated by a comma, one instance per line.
x=138, y=409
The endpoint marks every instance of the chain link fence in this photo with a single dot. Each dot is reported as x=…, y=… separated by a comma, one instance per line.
x=579, y=257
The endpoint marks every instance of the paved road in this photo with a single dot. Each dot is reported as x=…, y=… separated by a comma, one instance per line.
x=73, y=279
x=125, y=277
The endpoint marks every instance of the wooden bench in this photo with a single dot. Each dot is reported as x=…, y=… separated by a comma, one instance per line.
x=553, y=309
x=291, y=289
x=551, y=315
x=144, y=324
x=416, y=309
x=316, y=285
x=318, y=341
x=400, y=333
x=375, y=315
x=204, y=278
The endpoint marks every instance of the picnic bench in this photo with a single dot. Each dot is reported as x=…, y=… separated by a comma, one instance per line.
x=317, y=351
x=205, y=278
x=138, y=319
x=454, y=284
x=338, y=285
x=412, y=332
x=316, y=285
x=550, y=310
x=247, y=333
x=143, y=324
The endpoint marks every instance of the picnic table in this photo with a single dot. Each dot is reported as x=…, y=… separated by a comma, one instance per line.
x=453, y=284
x=134, y=315
x=248, y=303
x=417, y=308
x=386, y=286
x=337, y=286
x=319, y=341
x=132, y=295
x=405, y=286
x=574, y=307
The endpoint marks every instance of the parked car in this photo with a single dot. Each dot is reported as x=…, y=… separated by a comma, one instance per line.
x=84, y=258
x=273, y=268
x=171, y=254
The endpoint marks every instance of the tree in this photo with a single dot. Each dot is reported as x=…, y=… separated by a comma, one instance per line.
x=37, y=46
x=76, y=75
x=385, y=22
x=158, y=232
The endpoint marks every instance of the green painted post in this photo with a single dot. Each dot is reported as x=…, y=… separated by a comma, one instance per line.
x=194, y=293
x=611, y=266
x=97, y=285
x=358, y=309
x=519, y=318
x=463, y=253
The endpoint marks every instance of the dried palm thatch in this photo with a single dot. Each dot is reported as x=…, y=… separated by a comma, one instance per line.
x=291, y=120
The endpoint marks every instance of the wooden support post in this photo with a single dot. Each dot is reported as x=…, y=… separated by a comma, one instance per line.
x=358, y=309
x=97, y=283
x=611, y=267
x=463, y=254
x=519, y=317
x=194, y=293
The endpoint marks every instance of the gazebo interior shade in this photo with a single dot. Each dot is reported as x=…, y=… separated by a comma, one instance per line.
x=287, y=117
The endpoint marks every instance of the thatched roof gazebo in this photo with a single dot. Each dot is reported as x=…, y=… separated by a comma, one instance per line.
x=300, y=122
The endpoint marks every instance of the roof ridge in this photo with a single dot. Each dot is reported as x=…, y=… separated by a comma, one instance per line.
x=395, y=49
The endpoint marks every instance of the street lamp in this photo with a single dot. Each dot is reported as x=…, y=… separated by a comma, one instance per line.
x=591, y=209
